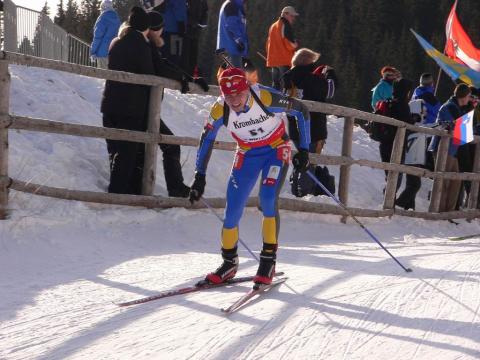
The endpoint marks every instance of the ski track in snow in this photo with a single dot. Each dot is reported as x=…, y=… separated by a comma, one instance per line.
x=64, y=265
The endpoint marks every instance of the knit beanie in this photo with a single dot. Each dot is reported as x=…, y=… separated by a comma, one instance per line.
x=106, y=4
x=156, y=20
x=426, y=79
x=138, y=19
x=461, y=90
x=389, y=73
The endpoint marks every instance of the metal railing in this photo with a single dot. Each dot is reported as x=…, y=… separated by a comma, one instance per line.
x=33, y=33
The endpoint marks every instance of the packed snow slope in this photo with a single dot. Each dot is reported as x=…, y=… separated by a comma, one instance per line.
x=64, y=265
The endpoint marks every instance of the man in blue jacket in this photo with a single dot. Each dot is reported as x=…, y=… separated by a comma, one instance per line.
x=106, y=29
x=425, y=92
x=174, y=14
x=232, y=31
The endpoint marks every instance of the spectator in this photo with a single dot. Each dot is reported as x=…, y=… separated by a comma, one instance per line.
x=105, y=30
x=308, y=82
x=232, y=31
x=400, y=110
x=124, y=106
x=466, y=152
x=174, y=14
x=171, y=153
x=425, y=92
x=397, y=107
x=197, y=16
x=383, y=90
x=281, y=45
x=454, y=108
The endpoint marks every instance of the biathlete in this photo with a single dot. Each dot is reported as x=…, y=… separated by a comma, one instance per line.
x=256, y=117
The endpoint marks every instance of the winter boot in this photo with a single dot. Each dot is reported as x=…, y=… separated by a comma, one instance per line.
x=266, y=269
x=227, y=270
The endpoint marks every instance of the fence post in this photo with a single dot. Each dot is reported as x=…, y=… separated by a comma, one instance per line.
x=473, y=196
x=345, y=169
x=392, y=178
x=4, y=117
x=151, y=149
x=440, y=165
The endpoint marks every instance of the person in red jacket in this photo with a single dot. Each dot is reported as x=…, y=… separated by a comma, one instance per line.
x=281, y=45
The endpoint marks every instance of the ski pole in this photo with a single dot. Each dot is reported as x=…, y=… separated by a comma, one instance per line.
x=319, y=183
x=221, y=220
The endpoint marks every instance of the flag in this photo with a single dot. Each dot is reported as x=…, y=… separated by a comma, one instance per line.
x=459, y=47
x=463, y=131
x=454, y=69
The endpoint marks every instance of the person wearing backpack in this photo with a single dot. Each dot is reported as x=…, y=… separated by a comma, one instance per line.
x=307, y=81
x=255, y=117
x=396, y=108
x=383, y=90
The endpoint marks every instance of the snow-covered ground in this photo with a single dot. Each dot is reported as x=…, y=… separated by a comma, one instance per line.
x=64, y=265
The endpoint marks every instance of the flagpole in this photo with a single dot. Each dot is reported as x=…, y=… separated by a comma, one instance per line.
x=444, y=50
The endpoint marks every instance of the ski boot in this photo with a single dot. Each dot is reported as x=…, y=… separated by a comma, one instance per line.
x=266, y=269
x=227, y=270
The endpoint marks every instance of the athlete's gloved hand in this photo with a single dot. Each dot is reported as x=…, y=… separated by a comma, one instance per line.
x=197, y=188
x=200, y=81
x=300, y=160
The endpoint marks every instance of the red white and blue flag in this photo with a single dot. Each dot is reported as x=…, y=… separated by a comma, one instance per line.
x=463, y=131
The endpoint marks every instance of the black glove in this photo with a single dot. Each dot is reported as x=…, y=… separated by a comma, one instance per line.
x=181, y=28
x=184, y=88
x=240, y=45
x=197, y=188
x=200, y=81
x=300, y=160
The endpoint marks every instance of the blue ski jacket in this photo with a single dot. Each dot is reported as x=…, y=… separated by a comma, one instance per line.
x=105, y=30
x=431, y=103
x=175, y=16
x=382, y=91
x=232, y=28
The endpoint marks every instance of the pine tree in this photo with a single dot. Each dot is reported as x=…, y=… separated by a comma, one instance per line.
x=89, y=12
x=72, y=18
x=59, y=18
x=46, y=9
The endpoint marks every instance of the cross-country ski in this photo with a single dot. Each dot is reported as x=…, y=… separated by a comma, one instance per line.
x=257, y=290
x=161, y=159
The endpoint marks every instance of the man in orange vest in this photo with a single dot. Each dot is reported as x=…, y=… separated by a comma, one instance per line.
x=281, y=45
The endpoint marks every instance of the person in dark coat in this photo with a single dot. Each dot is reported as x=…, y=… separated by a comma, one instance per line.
x=164, y=68
x=197, y=18
x=308, y=82
x=125, y=106
x=400, y=110
x=449, y=112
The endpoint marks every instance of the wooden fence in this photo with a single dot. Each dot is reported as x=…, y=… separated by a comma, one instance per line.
x=152, y=137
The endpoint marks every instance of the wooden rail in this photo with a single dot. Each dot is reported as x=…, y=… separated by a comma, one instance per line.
x=152, y=137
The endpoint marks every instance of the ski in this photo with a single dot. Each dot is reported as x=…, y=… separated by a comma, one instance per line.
x=465, y=237
x=257, y=290
x=201, y=285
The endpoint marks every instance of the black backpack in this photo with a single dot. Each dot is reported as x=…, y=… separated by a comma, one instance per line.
x=302, y=184
x=379, y=131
